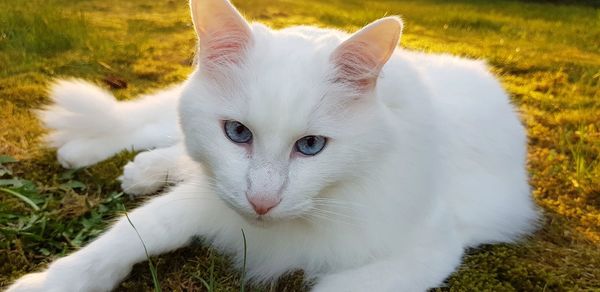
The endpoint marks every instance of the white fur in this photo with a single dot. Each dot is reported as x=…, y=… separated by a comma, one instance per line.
x=88, y=125
x=429, y=162
x=153, y=169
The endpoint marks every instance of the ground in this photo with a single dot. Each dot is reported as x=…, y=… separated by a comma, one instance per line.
x=547, y=56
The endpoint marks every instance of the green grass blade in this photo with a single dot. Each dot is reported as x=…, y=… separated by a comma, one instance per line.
x=243, y=280
x=206, y=285
x=152, y=268
x=21, y=197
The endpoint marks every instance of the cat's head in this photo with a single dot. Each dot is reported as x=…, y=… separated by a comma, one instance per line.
x=280, y=118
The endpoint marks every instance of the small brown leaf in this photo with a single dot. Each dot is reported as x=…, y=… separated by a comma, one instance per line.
x=115, y=82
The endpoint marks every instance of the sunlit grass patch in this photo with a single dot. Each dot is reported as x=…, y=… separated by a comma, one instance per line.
x=37, y=29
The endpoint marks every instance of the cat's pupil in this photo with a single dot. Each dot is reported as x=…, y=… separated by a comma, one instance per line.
x=310, y=142
x=239, y=129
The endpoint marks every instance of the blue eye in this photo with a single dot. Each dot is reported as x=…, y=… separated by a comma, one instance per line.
x=311, y=145
x=237, y=132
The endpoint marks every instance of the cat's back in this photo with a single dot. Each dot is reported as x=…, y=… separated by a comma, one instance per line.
x=481, y=143
x=465, y=99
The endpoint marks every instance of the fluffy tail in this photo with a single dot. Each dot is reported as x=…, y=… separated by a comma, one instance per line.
x=87, y=124
x=80, y=109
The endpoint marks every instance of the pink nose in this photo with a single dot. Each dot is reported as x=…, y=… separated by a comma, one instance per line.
x=262, y=205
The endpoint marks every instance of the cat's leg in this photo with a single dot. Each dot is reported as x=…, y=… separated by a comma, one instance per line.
x=423, y=268
x=87, y=124
x=151, y=170
x=164, y=224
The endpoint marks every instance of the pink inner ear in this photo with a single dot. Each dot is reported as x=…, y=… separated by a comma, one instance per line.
x=224, y=46
x=356, y=66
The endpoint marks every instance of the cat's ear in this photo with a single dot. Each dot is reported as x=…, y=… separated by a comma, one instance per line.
x=222, y=31
x=359, y=59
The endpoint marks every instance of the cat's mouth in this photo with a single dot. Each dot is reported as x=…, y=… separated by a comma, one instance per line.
x=262, y=221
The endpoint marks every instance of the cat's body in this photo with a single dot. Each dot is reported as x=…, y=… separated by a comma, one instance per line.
x=422, y=164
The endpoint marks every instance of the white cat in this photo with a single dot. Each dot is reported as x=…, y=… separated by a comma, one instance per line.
x=369, y=167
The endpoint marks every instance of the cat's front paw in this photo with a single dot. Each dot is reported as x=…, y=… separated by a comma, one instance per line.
x=30, y=283
x=45, y=282
x=72, y=274
x=144, y=175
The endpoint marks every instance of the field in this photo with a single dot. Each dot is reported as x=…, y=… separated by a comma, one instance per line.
x=547, y=56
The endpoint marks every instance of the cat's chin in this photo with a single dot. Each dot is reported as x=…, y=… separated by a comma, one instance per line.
x=262, y=221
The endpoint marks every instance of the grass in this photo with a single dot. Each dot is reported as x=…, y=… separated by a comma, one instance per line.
x=547, y=56
x=151, y=266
